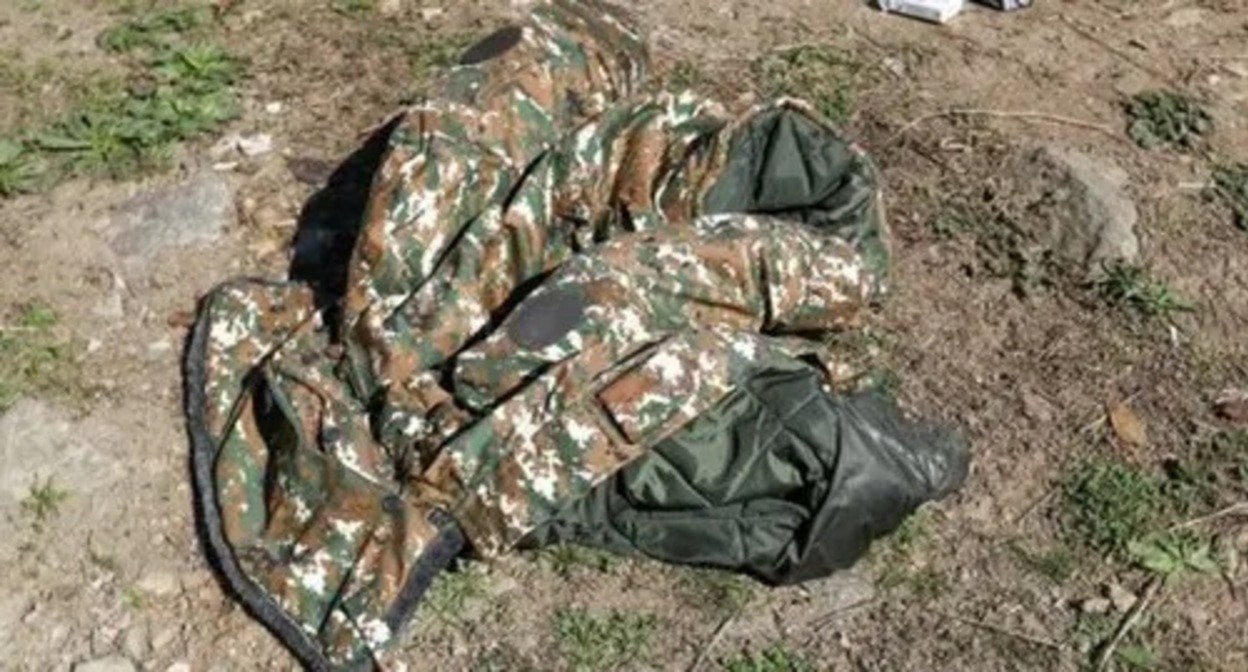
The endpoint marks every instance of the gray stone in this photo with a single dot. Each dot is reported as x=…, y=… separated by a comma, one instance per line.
x=841, y=591
x=160, y=584
x=166, y=636
x=1100, y=226
x=195, y=211
x=134, y=642
x=109, y=664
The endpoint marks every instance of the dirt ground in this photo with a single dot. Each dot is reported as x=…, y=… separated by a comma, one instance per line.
x=104, y=564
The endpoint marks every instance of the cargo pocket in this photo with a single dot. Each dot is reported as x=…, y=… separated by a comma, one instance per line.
x=658, y=391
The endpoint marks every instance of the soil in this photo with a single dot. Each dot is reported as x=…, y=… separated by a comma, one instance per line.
x=118, y=571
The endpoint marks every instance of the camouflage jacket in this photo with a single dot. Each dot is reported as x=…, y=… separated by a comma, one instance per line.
x=555, y=272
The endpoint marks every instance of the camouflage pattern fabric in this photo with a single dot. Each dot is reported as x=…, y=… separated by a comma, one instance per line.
x=538, y=295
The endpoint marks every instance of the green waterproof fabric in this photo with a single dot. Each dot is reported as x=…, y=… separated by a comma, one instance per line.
x=787, y=164
x=783, y=480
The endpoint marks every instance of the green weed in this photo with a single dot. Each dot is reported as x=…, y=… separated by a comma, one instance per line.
x=33, y=357
x=17, y=169
x=717, y=591
x=1162, y=118
x=603, y=641
x=1230, y=185
x=1215, y=474
x=177, y=90
x=1130, y=286
x=1110, y=504
x=826, y=76
x=1175, y=553
x=567, y=559
x=43, y=502
x=132, y=598
x=153, y=29
x=451, y=592
x=776, y=658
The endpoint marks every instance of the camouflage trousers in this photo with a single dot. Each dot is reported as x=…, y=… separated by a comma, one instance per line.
x=538, y=295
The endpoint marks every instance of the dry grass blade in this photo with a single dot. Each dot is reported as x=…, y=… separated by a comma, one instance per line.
x=1132, y=617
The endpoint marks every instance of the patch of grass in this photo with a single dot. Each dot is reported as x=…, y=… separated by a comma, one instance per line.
x=177, y=89
x=715, y=591
x=33, y=356
x=567, y=559
x=153, y=29
x=132, y=598
x=17, y=169
x=603, y=641
x=776, y=658
x=1129, y=286
x=1056, y=564
x=451, y=592
x=1164, y=118
x=1230, y=185
x=1215, y=474
x=826, y=76
x=43, y=502
x=1175, y=553
x=1110, y=504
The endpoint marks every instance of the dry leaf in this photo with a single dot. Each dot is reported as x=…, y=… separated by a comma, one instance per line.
x=1127, y=425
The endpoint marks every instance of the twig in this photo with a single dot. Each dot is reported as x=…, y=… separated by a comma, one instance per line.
x=1232, y=510
x=1088, y=35
x=715, y=637
x=1048, y=644
x=1133, y=616
x=1039, y=501
x=824, y=620
x=1004, y=114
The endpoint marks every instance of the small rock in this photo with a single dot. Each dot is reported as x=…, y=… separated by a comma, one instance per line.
x=93, y=345
x=1121, y=598
x=165, y=636
x=180, y=666
x=1101, y=229
x=160, y=584
x=1095, y=605
x=134, y=642
x=111, y=308
x=109, y=664
x=255, y=145
x=1232, y=405
x=198, y=210
x=159, y=347
x=431, y=14
x=389, y=7
x=275, y=107
x=841, y=591
x=1186, y=18
x=1038, y=408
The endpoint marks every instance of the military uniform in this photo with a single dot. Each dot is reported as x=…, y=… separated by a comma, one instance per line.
x=554, y=275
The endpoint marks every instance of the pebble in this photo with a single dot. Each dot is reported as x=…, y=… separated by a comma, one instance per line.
x=180, y=666
x=1038, y=408
x=255, y=145
x=109, y=664
x=1095, y=605
x=275, y=107
x=1121, y=598
x=165, y=636
x=160, y=584
x=134, y=642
